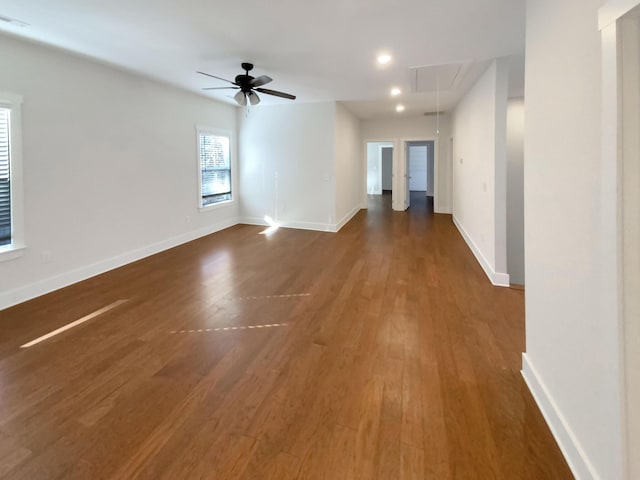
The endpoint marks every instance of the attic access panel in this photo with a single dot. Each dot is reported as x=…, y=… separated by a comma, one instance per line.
x=430, y=78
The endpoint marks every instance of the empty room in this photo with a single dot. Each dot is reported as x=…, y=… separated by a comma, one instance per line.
x=339, y=240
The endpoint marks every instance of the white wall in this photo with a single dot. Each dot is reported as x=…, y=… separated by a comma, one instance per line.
x=348, y=168
x=110, y=167
x=418, y=128
x=572, y=363
x=287, y=165
x=515, y=191
x=479, y=170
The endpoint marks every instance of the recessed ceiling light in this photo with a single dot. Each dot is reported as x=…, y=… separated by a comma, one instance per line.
x=384, y=58
x=400, y=108
x=395, y=91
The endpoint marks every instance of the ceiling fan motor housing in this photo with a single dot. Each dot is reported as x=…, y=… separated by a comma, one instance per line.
x=244, y=81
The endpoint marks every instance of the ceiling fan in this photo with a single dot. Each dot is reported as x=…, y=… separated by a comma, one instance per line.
x=248, y=86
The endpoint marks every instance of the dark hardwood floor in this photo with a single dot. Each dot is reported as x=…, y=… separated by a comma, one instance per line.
x=379, y=352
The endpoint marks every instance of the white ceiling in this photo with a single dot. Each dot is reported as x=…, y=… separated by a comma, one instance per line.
x=320, y=50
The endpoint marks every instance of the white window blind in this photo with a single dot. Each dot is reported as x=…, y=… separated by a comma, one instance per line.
x=215, y=168
x=5, y=178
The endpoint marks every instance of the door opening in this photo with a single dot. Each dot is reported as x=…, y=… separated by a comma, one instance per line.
x=419, y=171
x=380, y=170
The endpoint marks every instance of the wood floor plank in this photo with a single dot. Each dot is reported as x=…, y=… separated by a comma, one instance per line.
x=267, y=463
x=12, y=454
x=378, y=352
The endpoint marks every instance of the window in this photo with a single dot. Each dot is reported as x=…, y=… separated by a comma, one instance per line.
x=5, y=179
x=11, y=224
x=214, y=167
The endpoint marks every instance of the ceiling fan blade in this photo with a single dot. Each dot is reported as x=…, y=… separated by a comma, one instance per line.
x=240, y=98
x=219, y=78
x=220, y=88
x=276, y=93
x=254, y=99
x=261, y=80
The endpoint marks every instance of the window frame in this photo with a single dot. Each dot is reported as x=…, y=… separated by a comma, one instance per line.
x=200, y=129
x=15, y=249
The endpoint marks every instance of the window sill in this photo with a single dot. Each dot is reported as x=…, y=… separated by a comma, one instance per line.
x=11, y=252
x=215, y=206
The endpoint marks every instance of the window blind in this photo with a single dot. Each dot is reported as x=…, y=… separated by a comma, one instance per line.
x=215, y=169
x=5, y=179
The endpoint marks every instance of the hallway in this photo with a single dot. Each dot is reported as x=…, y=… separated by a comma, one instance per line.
x=379, y=352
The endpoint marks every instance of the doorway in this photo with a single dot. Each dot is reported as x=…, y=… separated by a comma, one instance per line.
x=419, y=172
x=377, y=149
x=379, y=168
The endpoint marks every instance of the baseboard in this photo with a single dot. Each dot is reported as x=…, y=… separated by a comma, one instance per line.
x=252, y=221
x=347, y=218
x=497, y=278
x=573, y=453
x=41, y=287
x=320, y=227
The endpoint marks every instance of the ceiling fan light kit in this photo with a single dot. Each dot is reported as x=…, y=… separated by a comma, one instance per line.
x=253, y=97
x=241, y=98
x=248, y=86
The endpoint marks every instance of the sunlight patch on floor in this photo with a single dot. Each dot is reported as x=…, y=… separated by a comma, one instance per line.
x=224, y=329
x=264, y=297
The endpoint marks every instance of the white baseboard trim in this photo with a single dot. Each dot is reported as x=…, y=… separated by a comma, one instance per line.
x=347, y=218
x=252, y=221
x=573, y=453
x=496, y=278
x=320, y=227
x=41, y=287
